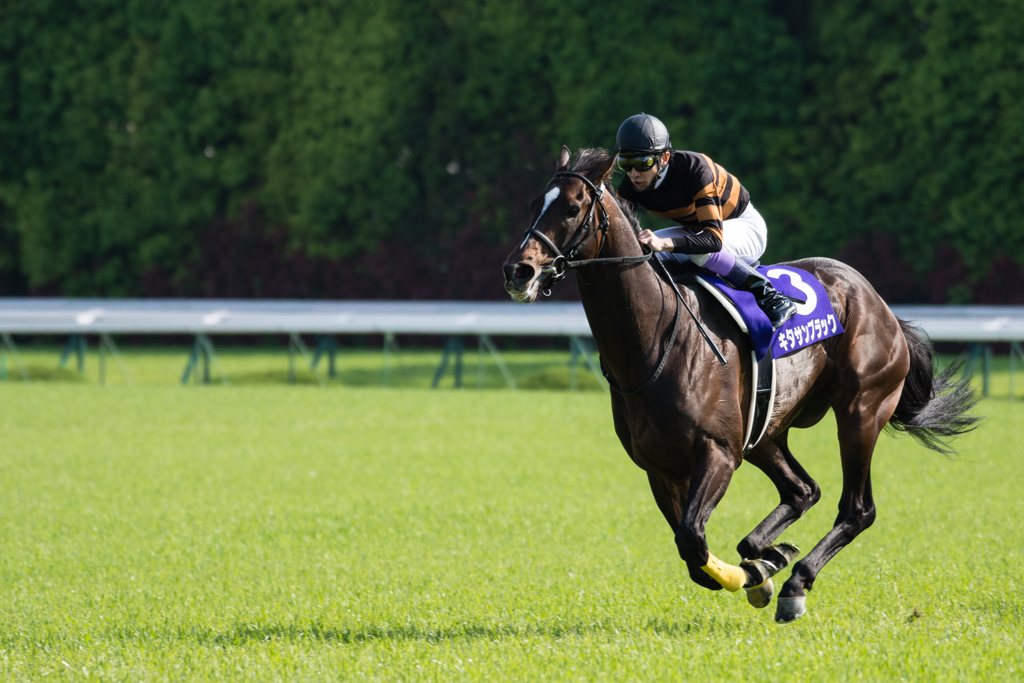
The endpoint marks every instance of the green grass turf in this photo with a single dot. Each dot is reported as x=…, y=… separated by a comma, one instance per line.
x=262, y=532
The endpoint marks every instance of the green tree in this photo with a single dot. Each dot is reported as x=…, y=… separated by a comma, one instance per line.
x=913, y=132
x=132, y=132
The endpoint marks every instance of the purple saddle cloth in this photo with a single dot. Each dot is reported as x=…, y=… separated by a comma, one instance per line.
x=814, y=320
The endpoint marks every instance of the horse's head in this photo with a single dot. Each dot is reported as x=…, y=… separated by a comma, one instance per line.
x=564, y=224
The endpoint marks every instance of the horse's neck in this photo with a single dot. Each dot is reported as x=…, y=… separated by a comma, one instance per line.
x=628, y=306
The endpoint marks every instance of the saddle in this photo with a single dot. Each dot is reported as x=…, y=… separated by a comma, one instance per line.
x=815, y=320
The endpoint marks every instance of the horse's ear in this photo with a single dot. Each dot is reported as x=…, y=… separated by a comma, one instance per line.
x=563, y=160
x=603, y=171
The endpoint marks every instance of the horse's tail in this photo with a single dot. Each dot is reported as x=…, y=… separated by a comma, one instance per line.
x=933, y=408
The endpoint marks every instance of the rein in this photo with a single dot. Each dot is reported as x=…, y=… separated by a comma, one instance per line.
x=672, y=340
x=564, y=262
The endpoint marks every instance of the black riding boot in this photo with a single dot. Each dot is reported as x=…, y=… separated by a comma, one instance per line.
x=777, y=307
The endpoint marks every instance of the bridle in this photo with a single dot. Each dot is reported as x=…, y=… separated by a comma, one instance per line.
x=565, y=261
x=565, y=257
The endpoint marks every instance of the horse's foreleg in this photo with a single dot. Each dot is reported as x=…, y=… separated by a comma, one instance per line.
x=711, y=476
x=797, y=493
x=670, y=499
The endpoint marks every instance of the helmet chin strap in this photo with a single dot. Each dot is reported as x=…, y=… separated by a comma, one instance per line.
x=661, y=171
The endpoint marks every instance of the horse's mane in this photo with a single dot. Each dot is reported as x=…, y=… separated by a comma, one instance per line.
x=587, y=160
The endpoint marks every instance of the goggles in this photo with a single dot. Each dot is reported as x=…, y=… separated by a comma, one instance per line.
x=644, y=163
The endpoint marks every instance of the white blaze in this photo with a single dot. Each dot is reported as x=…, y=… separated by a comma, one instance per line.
x=548, y=198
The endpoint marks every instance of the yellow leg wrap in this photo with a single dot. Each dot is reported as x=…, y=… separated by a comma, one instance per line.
x=731, y=577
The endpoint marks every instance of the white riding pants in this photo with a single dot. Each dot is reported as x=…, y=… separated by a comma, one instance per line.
x=745, y=237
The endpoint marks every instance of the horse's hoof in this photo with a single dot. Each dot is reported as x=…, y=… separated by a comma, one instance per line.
x=760, y=596
x=788, y=610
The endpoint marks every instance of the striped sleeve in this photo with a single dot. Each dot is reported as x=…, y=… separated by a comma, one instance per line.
x=708, y=200
x=717, y=198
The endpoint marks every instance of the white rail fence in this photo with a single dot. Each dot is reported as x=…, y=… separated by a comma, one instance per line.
x=979, y=326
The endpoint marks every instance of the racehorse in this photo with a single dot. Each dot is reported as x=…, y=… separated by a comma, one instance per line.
x=680, y=411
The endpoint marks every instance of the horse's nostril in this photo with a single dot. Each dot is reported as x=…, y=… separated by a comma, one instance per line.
x=522, y=271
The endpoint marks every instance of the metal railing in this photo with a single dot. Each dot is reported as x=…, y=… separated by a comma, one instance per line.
x=979, y=326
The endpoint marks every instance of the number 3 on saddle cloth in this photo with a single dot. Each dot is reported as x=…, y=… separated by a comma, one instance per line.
x=814, y=320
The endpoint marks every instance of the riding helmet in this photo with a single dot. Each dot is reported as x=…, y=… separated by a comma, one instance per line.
x=642, y=134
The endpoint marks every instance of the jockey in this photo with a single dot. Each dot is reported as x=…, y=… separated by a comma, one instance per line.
x=720, y=230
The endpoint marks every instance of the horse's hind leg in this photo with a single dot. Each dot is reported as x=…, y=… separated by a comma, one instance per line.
x=859, y=424
x=797, y=493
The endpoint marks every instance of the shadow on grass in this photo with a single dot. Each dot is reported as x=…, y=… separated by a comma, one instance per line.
x=528, y=376
x=557, y=378
x=43, y=373
x=245, y=634
x=403, y=375
x=268, y=377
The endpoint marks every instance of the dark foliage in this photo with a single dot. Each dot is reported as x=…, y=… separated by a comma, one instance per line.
x=249, y=259
x=389, y=149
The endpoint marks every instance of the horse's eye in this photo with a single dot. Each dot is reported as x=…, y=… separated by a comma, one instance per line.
x=573, y=210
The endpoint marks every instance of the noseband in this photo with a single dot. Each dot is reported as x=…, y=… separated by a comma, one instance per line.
x=565, y=261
